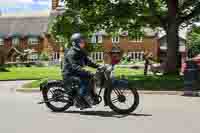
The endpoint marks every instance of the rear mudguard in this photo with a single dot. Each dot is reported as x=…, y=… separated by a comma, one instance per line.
x=45, y=84
x=120, y=84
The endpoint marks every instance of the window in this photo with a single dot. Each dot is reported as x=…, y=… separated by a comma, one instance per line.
x=115, y=39
x=136, y=37
x=33, y=57
x=56, y=56
x=15, y=41
x=100, y=39
x=97, y=39
x=33, y=41
x=1, y=41
x=93, y=39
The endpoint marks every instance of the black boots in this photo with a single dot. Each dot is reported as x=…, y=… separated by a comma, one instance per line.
x=83, y=102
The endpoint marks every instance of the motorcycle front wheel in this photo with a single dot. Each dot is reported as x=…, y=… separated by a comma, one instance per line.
x=123, y=101
x=55, y=98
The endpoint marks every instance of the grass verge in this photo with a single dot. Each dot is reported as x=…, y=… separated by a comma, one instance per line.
x=24, y=73
x=135, y=77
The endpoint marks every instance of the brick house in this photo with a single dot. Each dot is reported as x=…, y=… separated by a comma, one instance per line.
x=27, y=33
x=135, y=48
x=55, y=4
x=152, y=42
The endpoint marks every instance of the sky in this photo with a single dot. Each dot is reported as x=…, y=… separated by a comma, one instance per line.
x=24, y=6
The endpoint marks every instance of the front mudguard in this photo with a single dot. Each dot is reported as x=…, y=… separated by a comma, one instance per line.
x=115, y=83
x=46, y=84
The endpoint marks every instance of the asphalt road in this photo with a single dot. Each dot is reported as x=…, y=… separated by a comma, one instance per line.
x=19, y=113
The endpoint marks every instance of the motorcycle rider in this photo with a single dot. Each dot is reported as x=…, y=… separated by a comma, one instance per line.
x=74, y=60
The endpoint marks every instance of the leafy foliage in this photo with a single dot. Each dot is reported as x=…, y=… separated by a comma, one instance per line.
x=44, y=56
x=194, y=41
x=88, y=16
x=113, y=15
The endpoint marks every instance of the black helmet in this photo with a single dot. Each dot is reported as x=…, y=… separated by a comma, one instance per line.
x=76, y=39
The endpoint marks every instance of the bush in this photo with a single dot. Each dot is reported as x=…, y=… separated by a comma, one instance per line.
x=127, y=60
x=44, y=57
x=40, y=64
x=194, y=42
x=28, y=65
x=3, y=68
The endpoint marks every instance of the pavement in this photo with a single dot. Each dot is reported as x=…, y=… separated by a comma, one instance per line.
x=19, y=113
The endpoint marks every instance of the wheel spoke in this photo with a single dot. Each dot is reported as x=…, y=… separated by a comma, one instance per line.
x=121, y=91
x=115, y=100
x=51, y=92
x=117, y=92
x=52, y=99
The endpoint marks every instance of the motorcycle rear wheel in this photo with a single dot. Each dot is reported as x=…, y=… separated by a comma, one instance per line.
x=58, y=88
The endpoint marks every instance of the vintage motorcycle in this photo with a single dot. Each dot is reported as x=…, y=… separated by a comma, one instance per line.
x=118, y=95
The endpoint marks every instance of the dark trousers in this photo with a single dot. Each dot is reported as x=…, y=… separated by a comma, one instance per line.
x=83, y=79
x=84, y=87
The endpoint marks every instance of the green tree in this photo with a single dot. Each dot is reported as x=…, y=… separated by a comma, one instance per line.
x=172, y=15
x=194, y=41
x=44, y=56
x=130, y=15
x=89, y=16
x=69, y=22
x=2, y=54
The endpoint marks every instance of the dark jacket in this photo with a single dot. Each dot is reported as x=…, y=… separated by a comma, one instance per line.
x=74, y=60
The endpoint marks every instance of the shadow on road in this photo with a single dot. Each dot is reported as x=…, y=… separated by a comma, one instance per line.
x=194, y=96
x=104, y=114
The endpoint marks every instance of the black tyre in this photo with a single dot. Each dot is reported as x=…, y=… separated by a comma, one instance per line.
x=122, y=99
x=57, y=91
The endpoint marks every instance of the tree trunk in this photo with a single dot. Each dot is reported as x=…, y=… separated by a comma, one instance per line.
x=2, y=62
x=146, y=66
x=173, y=50
x=172, y=38
x=2, y=56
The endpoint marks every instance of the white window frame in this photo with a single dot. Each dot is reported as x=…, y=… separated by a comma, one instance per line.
x=15, y=41
x=138, y=40
x=100, y=39
x=115, y=39
x=97, y=39
x=93, y=39
x=56, y=56
x=1, y=41
x=33, y=40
